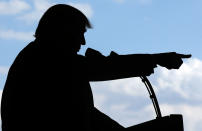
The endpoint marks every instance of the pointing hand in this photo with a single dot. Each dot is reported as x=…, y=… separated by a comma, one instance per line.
x=170, y=60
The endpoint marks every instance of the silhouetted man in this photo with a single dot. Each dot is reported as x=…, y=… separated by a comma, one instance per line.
x=47, y=87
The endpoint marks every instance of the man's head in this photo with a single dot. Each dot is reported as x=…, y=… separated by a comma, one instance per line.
x=63, y=25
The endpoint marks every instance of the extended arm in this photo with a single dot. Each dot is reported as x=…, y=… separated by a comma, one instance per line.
x=117, y=66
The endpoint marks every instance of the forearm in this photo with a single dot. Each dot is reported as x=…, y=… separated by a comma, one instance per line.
x=119, y=66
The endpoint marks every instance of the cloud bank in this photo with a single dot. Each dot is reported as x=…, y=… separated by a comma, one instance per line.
x=13, y=7
x=38, y=8
x=185, y=82
x=16, y=35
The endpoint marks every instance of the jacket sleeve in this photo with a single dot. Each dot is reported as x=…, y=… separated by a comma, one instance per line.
x=116, y=66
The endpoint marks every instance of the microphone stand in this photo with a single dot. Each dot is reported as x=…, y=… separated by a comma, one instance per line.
x=152, y=96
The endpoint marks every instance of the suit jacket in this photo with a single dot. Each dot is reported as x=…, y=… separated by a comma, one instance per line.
x=49, y=90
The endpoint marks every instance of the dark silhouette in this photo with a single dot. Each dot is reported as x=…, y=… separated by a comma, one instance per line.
x=47, y=87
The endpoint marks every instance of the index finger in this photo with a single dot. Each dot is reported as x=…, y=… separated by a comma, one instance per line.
x=185, y=55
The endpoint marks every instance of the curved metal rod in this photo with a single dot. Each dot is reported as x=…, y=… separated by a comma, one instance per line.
x=152, y=96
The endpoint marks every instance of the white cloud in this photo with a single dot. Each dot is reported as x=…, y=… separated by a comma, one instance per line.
x=40, y=6
x=4, y=70
x=127, y=116
x=34, y=12
x=13, y=7
x=186, y=81
x=192, y=115
x=11, y=34
x=129, y=86
x=100, y=100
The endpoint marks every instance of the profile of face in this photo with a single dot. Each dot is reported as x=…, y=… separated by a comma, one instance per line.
x=78, y=39
x=72, y=40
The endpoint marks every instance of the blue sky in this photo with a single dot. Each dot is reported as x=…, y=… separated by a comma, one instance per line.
x=125, y=26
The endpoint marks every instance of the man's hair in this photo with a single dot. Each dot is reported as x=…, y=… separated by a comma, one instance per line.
x=59, y=18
